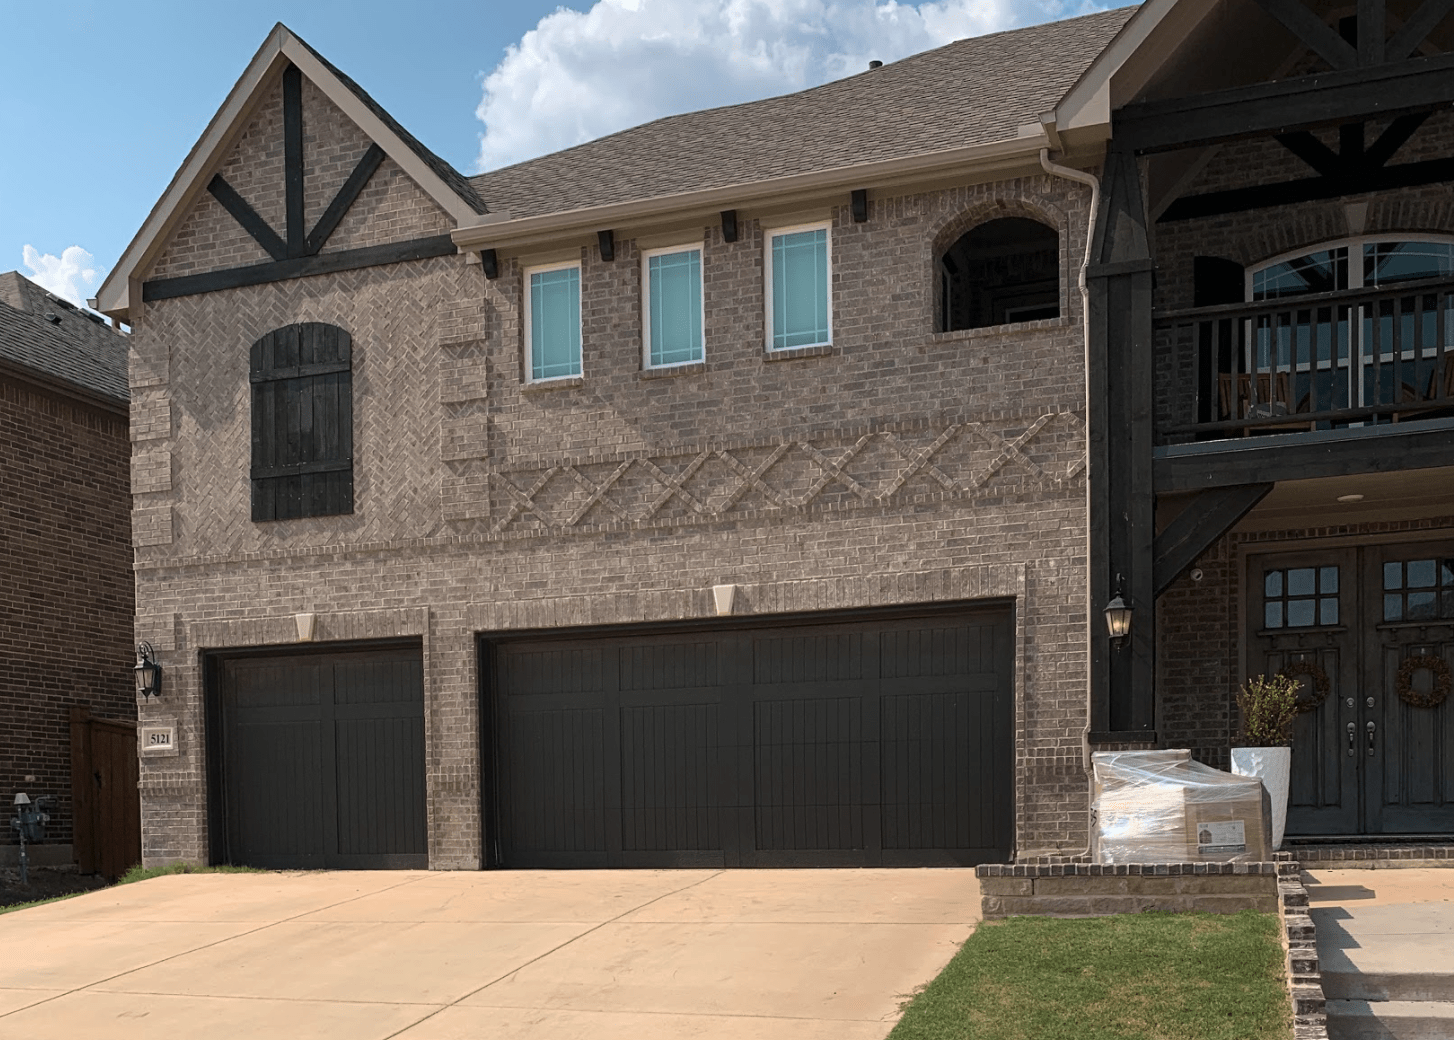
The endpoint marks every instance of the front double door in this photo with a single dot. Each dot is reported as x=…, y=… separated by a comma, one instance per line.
x=1368, y=632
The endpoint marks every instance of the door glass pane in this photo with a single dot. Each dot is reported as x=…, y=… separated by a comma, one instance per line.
x=800, y=289
x=1327, y=611
x=1322, y=271
x=1448, y=609
x=1273, y=614
x=1300, y=612
x=1328, y=579
x=1446, y=573
x=1302, y=581
x=1393, y=608
x=1422, y=606
x=675, y=293
x=1387, y=263
x=1421, y=574
x=1393, y=575
x=1272, y=585
x=555, y=323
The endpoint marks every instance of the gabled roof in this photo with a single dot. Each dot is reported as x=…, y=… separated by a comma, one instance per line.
x=44, y=336
x=974, y=91
x=449, y=189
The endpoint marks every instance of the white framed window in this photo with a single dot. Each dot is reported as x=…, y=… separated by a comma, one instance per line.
x=672, y=317
x=799, y=287
x=553, y=322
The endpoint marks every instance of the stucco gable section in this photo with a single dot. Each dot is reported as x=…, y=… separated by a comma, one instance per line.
x=227, y=207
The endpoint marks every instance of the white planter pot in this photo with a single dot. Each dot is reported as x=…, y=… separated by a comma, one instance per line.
x=1273, y=766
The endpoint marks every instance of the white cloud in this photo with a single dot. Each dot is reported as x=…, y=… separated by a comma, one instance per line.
x=69, y=276
x=578, y=76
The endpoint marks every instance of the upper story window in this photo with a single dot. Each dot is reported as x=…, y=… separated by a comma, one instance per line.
x=672, y=317
x=1001, y=271
x=799, y=280
x=553, y=322
x=302, y=422
x=1357, y=264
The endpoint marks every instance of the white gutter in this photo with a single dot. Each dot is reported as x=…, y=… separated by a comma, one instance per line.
x=1081, y=177
x=490, y=231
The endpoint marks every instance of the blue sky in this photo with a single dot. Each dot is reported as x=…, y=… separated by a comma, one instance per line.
x=104, y=99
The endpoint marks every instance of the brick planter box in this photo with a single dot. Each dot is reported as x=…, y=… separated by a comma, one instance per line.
x=1094, y=889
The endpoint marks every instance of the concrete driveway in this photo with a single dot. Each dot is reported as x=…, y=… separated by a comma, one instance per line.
x=603, y=955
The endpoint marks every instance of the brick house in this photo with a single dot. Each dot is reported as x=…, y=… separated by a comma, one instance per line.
x=65, y=547
x=746, y=488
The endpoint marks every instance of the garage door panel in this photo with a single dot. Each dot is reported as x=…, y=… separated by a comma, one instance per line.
x=322, y=759
x=671, y=777
x=558, y=780
x=381, y=796
x=852, y=743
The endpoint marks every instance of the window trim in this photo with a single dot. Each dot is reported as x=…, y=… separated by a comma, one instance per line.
x=768, y=234
x=529, y=352
x=1354, y=245
x=699, y=247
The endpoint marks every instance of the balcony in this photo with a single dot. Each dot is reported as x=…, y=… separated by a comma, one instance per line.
x=1353, y=360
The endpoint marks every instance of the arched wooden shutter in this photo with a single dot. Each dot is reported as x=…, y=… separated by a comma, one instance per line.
x=302, y=422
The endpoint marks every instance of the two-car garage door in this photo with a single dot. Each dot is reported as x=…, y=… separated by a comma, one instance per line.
x=851, y=743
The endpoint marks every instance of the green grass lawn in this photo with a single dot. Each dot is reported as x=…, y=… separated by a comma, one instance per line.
x=1150, y=976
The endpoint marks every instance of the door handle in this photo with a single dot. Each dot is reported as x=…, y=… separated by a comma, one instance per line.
x=1352, y=738
x=1372, y=726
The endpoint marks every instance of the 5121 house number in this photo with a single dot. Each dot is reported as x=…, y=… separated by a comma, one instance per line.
x=158, y=738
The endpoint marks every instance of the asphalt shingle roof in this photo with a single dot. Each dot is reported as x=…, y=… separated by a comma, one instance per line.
x=74, y=348
x=973, y=91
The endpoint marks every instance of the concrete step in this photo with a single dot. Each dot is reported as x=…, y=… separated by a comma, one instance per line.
x=1390, y=1020
x=1341, y=983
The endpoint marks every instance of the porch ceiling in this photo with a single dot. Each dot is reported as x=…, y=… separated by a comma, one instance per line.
x=1405, y=495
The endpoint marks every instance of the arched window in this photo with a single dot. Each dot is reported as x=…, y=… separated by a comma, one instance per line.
x=1001, y=271
x=302, y=422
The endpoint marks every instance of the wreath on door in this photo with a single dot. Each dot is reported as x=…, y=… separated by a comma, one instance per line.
x=1443, y=680
x=1317, y=682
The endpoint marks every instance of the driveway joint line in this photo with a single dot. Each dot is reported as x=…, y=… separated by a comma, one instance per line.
x=208, y=946
x=521, y=967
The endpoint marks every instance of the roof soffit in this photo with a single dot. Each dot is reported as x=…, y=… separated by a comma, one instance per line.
x=280, y=49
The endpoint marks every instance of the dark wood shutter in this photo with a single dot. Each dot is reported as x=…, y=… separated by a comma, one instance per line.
x=302, y=422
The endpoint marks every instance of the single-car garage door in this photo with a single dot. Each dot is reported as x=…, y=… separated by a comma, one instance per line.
x=884, y=742
x=318, y=760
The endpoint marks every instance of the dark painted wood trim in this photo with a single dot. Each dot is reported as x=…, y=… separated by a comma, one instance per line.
x=1372, y=31
x=301, y=267
x=1206, y=518
x=345, y=198
x=248, y=217
x=607, y=241
x=1310, y=189
x=1312, y=31
x=729, y=225
x=293, y=158
x=1380, y=92
x=1121, y=267
x=1298, y=456
x=1417, y=29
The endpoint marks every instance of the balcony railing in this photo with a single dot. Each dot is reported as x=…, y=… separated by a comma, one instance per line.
x=1359, y=357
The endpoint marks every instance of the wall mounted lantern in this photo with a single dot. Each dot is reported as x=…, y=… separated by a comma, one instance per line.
x=148, y=672
x=1118, y=615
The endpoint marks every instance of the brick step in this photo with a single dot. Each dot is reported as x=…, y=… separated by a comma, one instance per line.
x=1390, y=1020
x=1345, y=984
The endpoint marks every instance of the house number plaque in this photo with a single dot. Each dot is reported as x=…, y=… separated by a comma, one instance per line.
x=159, y=738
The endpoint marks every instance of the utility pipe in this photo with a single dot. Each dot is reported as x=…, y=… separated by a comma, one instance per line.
x=1081, y=177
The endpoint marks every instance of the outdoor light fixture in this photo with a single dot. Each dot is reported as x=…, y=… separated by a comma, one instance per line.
x=148, y=672
x=1118, y=615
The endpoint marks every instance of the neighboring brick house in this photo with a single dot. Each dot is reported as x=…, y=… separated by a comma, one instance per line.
x=745, y=488
x=65, y=545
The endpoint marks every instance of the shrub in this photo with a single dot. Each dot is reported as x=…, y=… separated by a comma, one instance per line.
x=1269, y=705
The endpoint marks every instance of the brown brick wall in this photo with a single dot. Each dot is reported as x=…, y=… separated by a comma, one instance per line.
x=902, y=466
x=65, y=566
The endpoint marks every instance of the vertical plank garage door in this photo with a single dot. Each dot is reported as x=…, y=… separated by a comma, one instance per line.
x=881, y=742
x=319, y=760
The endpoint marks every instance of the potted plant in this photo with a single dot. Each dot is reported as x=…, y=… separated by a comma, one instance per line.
x=1269, y=706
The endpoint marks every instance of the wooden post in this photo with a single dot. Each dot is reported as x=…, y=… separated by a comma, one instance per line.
x=1122, y=520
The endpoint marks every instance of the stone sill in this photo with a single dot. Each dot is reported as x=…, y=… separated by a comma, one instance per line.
x=694, y=369
x=794, y=353
x=567, y=383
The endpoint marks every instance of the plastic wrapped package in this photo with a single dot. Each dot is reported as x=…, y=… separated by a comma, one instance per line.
x=1162, y=807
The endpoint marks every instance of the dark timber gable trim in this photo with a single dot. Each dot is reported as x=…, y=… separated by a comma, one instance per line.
x=298, y=253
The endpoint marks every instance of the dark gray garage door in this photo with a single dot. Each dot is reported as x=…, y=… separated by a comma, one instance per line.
x=320, y=760
x=858, y=743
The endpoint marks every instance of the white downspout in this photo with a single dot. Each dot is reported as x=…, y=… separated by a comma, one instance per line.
x=1081, y=177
